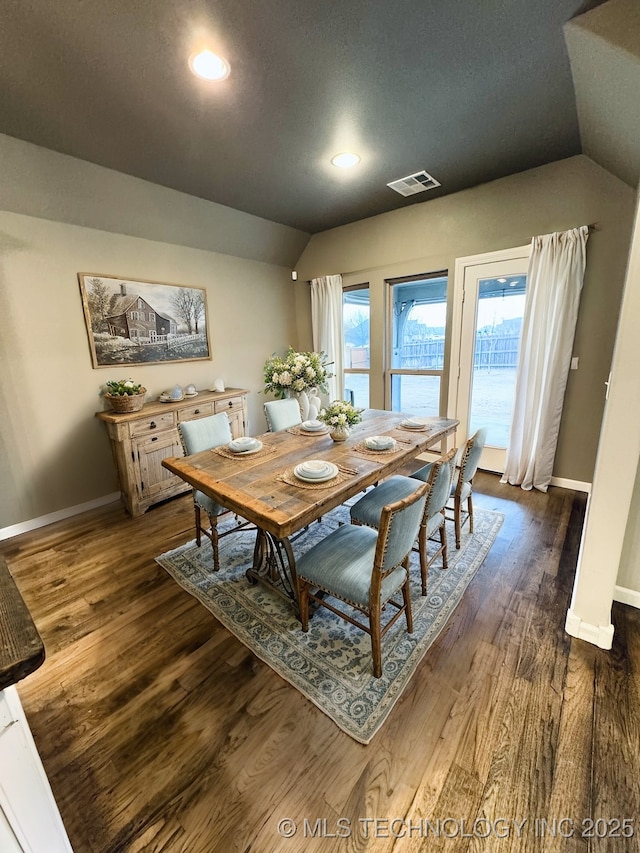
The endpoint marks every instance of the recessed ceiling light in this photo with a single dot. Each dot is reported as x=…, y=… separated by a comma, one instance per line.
x=209, y=66
x=345, y=160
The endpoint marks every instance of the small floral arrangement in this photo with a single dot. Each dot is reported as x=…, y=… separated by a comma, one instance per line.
x=340, y=413
x=122, y=388
x=297, y=371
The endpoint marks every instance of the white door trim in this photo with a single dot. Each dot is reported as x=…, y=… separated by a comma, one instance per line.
x=461, y=266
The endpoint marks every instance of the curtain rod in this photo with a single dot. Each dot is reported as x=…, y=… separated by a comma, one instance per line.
x=593, y=226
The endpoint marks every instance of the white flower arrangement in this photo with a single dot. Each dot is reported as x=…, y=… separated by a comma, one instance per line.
x=297, y=371
x=340, y=413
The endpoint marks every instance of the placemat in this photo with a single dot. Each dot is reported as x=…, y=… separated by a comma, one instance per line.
x=361, y=447
x=265, y=450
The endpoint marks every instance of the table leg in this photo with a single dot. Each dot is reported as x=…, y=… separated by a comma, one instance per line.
x=274, y=565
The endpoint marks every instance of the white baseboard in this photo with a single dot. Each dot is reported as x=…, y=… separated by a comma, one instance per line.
x=597, y=635
x=562, y=482
x=626, y=596
x=43, y=520
x=576, y=485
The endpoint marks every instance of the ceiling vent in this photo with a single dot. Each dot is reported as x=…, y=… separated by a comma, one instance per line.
x=413, y=184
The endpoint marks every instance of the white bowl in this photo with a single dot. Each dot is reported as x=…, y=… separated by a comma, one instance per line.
x=379, y=442
x=308, y=472
x=313, y=468
x=241, y=445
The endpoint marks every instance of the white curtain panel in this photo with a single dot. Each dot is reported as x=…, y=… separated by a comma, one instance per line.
x=326, y=325
x=554, y=282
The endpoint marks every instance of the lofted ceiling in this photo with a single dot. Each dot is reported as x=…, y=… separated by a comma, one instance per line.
x=470, y=91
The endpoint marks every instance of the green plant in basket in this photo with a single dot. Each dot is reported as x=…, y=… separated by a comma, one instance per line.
x=340, y=414
x=122, y=387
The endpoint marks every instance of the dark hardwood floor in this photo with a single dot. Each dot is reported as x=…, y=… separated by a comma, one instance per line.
x=159, y=731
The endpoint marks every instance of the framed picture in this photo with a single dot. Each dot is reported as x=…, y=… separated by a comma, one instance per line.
x=143, y=322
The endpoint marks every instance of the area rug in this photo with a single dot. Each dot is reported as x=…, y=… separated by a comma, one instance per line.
x=331, y=664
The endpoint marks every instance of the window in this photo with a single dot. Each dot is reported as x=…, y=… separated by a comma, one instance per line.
x=356, y=331
x=417, y=318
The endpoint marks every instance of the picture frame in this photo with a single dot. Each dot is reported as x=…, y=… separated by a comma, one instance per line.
x=133, y=321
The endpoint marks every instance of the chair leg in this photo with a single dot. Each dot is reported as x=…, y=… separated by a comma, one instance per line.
x=443, y=540
x=470, y=507
x=457, y=513
x=376, y=647
x=214, y=542
x=198, y=525
x=303, y=603
x=422, y=548
x=406, y=597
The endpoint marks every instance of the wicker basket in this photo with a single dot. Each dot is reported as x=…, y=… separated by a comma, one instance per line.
x=126, y=402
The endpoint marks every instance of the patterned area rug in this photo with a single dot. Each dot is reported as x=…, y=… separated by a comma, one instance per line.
x=331, y=664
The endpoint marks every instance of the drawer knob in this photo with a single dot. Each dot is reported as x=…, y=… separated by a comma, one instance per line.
x=152, y=425
x=155, y=438
x=197, y=412
x=230, y=404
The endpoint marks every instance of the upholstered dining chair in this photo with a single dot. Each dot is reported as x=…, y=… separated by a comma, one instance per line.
x=365, y=569
x=462, y=488
x=205, y=434
x=282, y=414
x=439, y=475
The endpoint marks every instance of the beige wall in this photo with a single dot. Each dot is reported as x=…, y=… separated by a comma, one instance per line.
x=54, y=452
x=430, y=235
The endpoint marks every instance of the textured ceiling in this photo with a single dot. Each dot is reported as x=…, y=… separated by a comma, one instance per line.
x=470, y=91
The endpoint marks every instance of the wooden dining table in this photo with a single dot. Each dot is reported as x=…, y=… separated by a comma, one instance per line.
x=262, y=488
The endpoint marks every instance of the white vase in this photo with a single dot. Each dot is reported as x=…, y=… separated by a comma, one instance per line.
x=303, y=401
x=315, y=404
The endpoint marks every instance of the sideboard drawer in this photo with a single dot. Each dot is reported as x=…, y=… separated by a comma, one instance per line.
x=197, y=410
x=155, y=423
x=231, y=404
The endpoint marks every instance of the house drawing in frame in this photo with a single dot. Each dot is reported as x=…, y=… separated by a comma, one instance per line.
x=143, y=322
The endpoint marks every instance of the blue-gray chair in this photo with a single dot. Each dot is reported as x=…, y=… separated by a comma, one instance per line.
x=205, y=434
x=282, y=414
x=462, y=488
x=439, y=475
x=365, y=569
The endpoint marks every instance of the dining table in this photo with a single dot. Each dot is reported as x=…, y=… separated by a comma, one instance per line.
x=262, y=486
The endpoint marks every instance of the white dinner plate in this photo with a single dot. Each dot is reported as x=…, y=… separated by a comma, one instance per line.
x=313, y=426
x=330, y=472
x=412, y=423
x=236, y=448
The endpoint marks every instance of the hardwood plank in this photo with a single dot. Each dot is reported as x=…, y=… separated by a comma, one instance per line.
x=161, y=732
